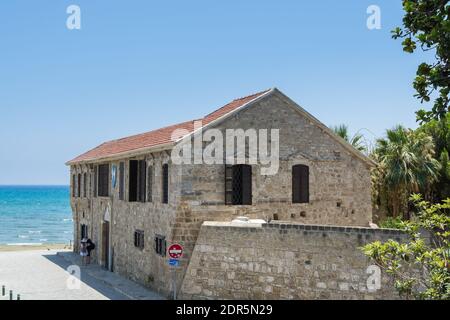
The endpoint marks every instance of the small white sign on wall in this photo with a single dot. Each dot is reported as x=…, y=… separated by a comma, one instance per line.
x=107, y=215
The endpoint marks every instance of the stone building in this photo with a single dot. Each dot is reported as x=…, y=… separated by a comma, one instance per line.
x=133, y=200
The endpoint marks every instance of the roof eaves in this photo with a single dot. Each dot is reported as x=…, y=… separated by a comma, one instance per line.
x=122, y=155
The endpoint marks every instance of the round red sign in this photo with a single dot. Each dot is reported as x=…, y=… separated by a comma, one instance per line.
x=175, y=251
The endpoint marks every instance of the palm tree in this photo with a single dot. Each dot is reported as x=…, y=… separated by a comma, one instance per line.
x=406, y=165
x=355, y=141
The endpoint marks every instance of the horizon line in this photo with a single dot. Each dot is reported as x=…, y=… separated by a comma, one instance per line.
x=34, y=185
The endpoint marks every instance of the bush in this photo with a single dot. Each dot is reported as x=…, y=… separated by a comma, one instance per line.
x=393, y=223
x=419, y=267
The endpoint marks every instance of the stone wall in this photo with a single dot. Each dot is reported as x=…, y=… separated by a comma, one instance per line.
x=153, y=217
x=339, y=185
x=283, y=261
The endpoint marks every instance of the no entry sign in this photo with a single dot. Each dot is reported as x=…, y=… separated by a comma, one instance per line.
x=175, y=251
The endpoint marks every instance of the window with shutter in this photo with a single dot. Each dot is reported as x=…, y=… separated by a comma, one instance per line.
x=90, y=183
x=246, y=184
x=139, y=239
x=121, y=180
x=300, y=184
x=149, y=183
x=238, y=184
x=85, y=185
x=95, y=181
x=79, y=186
x=137, y=180
x=142, y=185
x=103, y=180
x=132, y=180
x=73, y=186
x=160, y=245
x=228, y=184
x=165, y=183
x=84, y=231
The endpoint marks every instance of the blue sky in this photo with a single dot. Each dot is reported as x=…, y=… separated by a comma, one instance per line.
x=139, y=65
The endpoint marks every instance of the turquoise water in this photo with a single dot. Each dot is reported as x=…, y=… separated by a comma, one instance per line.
x=35, y=214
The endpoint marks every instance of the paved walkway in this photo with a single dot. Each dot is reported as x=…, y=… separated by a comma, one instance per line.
x=128, y=288
x=42, y=275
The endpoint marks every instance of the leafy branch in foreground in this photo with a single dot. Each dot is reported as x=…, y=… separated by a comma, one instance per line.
x=426, y=24
x=420, y=267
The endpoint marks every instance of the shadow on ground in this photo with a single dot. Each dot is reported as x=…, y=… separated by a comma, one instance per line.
x=98, y=285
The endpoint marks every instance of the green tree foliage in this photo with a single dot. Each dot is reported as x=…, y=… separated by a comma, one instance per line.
x=420, y=267
x=406, y=164
x=426, y=24
x=356, y=141
x=440, y=132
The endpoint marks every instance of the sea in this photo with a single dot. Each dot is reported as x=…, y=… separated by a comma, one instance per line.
x=32, y=215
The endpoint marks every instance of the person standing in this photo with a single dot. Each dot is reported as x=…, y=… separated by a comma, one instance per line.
x=89, y=246
x=83, y=251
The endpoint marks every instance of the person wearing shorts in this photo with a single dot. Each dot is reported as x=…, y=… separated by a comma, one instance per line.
x=83, y=252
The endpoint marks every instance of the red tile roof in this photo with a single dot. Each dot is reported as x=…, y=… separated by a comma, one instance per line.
x=158, y=137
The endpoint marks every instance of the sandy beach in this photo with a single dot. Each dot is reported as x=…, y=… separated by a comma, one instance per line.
x=54, y=246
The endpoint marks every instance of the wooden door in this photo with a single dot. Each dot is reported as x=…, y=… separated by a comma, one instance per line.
x=105, y=244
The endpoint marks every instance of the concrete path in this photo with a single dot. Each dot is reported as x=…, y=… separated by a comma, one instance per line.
x=42, y=275
x=126, y=287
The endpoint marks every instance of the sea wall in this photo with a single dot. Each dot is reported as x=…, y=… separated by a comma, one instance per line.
x=285, y=261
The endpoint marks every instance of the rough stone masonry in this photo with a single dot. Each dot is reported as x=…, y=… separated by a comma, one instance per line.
x=284, y=261
x=133, y=213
